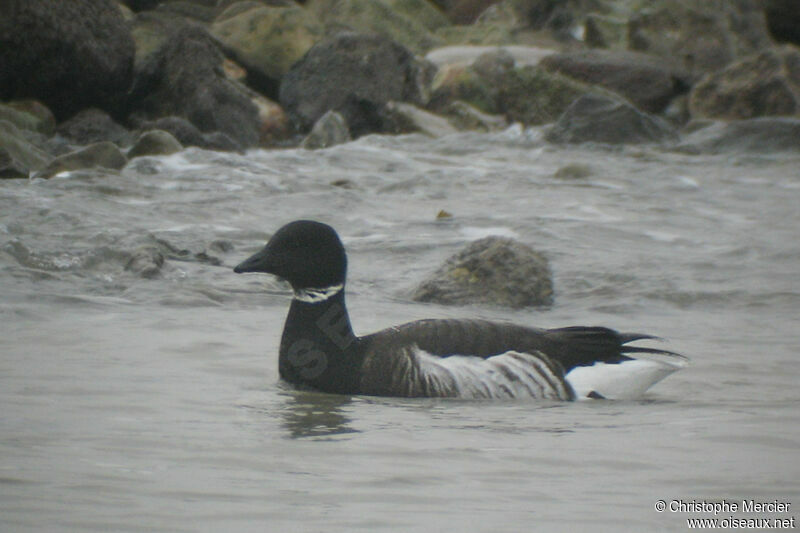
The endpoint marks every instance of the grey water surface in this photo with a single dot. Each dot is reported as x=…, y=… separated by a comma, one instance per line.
x=148, y=399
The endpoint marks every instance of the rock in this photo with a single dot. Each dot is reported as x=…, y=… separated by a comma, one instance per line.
x=155, y=142
x=141, y=5
x=493, y=270
x=549, y=19
x=532, y=96
x=70, y=55
x=464, y=12
x=29, y=115
x=488, y=33
x=492, y=66
x=193, y=10
x=765, y=83
x=18, y=156
x=216, y=140
x=601, y=119
x=703, y=36
x=94, y=125
x=495, y=85
x=466, y=117
x=330, y=130
x=355, y=75
x=274, y=124
x=103, y=154
x=555, y=15
x=649, y=82
x=573, y=171
x=757, y=135
x=461, y=83
x=146, y=261
x=19, y=119
x=408, y=118
x=394, y=19
x=677, y=112
x=424, y=12
x=601, y=31
x=150, y=32
x=783, y=20
x=188, y=135
x=184, y=131
x=466, y=55
x=184, y=77
x=267, y=40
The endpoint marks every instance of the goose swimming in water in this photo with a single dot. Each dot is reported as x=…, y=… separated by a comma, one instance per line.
x=441, y=357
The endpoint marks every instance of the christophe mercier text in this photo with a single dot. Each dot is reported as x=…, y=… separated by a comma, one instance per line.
x=725, y=506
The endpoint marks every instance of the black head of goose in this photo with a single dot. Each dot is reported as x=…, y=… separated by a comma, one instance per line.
x=438, y=358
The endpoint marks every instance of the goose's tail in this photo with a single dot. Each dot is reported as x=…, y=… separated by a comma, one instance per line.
x=629, y=377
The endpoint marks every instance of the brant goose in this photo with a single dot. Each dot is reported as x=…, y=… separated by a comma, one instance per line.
x=438, y=358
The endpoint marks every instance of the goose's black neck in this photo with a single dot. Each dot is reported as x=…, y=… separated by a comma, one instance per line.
x=319, y=348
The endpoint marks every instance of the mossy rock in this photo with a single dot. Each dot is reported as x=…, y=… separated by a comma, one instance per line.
x=492, y=270
x=524, y=94
x=268, y=39
x=533, y=96
x=390, y=19
x=476, y=34
x=155, y=142
x=422, y=11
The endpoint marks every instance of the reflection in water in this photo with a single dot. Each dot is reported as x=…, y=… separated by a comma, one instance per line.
x=315, y=414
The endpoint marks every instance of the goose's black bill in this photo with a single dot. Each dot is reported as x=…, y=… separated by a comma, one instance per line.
x=261, y=261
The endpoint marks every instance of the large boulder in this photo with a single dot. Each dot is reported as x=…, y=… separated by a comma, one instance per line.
x=703, y=36
x=185, y=78
x=601, y=119
x=648, y=82
x=492, y=270
x=266, y=40
x=765, y=83
x=354, y=74
x=69, y=55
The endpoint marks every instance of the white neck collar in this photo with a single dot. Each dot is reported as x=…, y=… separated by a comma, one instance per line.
x=315, y=296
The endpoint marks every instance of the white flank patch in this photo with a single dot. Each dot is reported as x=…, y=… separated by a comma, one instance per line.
x=507, y=375
x=625, y=380
x=315, y=296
